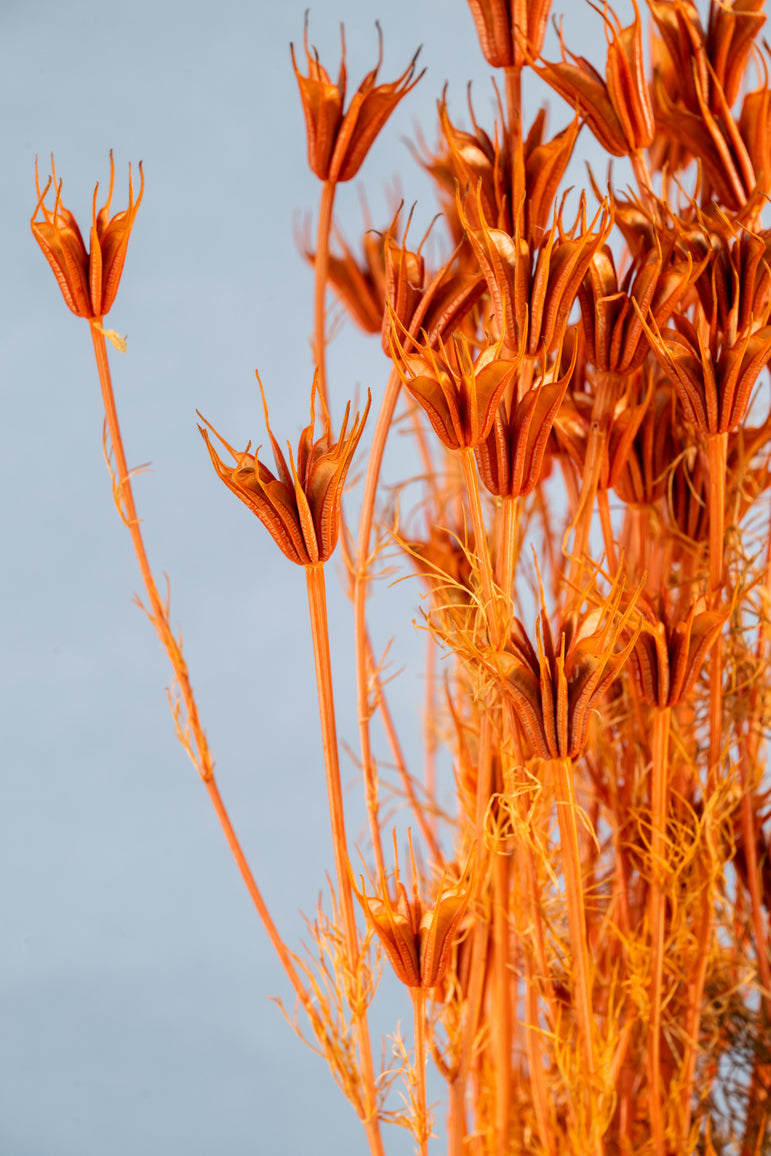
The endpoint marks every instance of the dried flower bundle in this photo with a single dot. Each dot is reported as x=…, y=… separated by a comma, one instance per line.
x=582, y=936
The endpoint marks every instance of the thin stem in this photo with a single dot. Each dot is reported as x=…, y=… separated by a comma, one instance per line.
x=603, y=506
x=424, y=821
x=360, y=583
x=190, y=731
x=643, y=178
x=507, y=558
x=321, y=268
x=595, y=453
x=567, y=815
x=480, y=542
x=659, y=770
x=502, y=1020
x=419, y=1010
x=717, y=448
x=317, y=604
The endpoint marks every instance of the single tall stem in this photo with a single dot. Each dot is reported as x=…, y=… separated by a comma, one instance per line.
x=190, y=730
x=659, y=770
x=317, y=604
x=320, y=268
x=567, y=815
x=419, y=1008
x=480, y=543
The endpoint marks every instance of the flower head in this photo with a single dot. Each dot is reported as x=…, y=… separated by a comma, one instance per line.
x=670, y=650
x=504, y=26
x=417, y=937
x=338, y=140
x=301, y=506
x=554, y=691
x=459, y=396
x=510, y=458
x=88, y=279
x=618, y=109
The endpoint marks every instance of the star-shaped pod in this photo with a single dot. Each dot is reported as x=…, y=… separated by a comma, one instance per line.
x=554, y=691
x=300, y=506
x=417, y=937
x=618, y=109
x=510, y=458
x=505, y=27
x=88, y=279
x=670, y=650
x=339, y=141
x=459, y=396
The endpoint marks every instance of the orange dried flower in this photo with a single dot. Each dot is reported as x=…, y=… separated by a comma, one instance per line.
x=417, y=301
x=656, y=281
x=417, y=938
x=532, y=305
x=458, y=395
x=618, y=110
x=510, y=458
x=713, y=380
x=301, y=506
x=670, y=650
x=88, y=280
x=504, y=26
x=554, y=692
x=359, y=284
x=339, y=141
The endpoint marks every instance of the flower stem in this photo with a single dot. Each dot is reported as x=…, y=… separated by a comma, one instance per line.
x=480, y=543
x=419, y=1008
x=189, y=729
x=659, y=770
x=320, y=268
x=317, y=604
x=567, y=814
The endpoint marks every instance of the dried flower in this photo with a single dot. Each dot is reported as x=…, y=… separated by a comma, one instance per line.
x=670, y=650
x=618, y=110
x=359, y=284
x=532, y=305
x=301, y=506
x=417, y=938
x=458, y=395
x=656, y=281
x=554, y=691
x=713, y=382
x=510, y=458
x=88, y=280
x=339, y=141
x=504, y=26
x=416, y=301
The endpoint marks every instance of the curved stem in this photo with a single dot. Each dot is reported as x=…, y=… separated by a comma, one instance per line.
x=360, y=583
x=189, y=730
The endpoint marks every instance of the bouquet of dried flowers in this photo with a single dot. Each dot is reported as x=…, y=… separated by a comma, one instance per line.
x=582, y=932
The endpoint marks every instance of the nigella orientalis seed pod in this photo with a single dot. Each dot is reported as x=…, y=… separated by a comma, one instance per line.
x=88, y=278
x=300, y=506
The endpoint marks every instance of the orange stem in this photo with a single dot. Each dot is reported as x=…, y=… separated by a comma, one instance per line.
x=659, y=769
x=197, y=746
x=317, y=604
x=321, y=269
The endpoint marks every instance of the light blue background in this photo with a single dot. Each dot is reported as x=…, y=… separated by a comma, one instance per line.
x=134, y=975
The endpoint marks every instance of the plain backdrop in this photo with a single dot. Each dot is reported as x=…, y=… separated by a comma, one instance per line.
x=134, y=976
